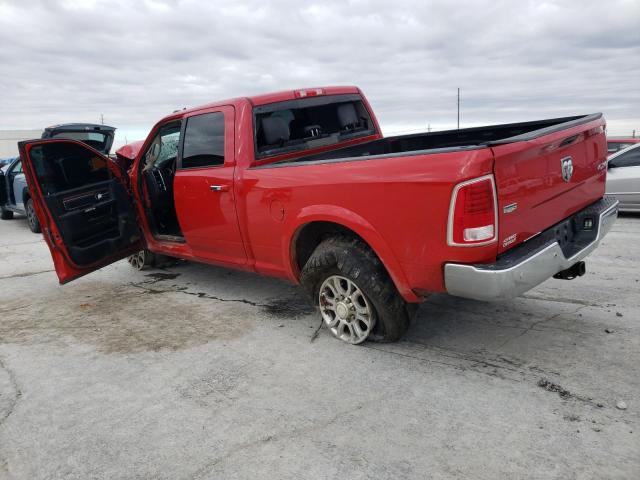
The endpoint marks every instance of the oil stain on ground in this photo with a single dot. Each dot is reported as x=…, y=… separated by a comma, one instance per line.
x=162, y=276
x=125, y=319
x=290, y=307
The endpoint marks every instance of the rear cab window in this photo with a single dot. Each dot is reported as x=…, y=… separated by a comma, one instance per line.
x=306, y=123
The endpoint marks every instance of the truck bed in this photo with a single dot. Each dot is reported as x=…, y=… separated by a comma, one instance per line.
x=463, y=139
x=527, y=162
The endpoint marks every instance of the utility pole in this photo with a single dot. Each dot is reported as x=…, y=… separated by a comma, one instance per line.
x=428, y=127
x=458, y=108
x=102, y=119
x=634, y=133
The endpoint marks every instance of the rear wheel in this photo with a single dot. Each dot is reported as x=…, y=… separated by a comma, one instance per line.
x=142, y=259
x=6, y=214
x=32, y=219
x=345, y=309
x=357, y=299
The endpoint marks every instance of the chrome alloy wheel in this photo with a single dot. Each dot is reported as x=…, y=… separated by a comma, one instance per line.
x=137, y=259
x=31, y=216
x=346, y=310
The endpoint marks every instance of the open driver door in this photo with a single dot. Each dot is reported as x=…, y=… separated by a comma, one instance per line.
x=81, y=198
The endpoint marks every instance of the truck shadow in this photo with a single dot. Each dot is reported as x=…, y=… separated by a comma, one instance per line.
x=519, y=338
x=442, y=321
x=184, y=304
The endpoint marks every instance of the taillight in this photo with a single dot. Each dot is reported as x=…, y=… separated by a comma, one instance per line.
x=473, y=218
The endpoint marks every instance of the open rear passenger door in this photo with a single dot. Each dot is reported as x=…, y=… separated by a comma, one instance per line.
x=81, y=199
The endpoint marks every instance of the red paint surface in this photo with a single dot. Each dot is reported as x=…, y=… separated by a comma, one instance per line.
x=398, y=205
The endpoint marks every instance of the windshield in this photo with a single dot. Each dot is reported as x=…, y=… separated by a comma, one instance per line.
x=302, y=124
x=163, y=148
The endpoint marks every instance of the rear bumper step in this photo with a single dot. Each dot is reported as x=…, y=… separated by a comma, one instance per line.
x=554, y=250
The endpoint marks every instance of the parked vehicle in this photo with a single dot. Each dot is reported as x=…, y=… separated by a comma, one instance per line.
x=623, y=178
x=302, y=185
x=6, y=161
x=615, y=144
x=14, y=194
x=100, y=137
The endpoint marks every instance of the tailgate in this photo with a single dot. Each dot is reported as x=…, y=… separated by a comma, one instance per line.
x=547, y=175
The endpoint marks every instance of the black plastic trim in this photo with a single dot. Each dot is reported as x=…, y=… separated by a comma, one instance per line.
x=361, y=158
x=566, y=122
x=579, y=238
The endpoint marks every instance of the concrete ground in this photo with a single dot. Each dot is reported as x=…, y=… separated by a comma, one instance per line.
x=196, y=372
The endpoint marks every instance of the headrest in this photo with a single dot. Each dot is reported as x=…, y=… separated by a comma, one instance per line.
x=347, y=115
x=275, y=130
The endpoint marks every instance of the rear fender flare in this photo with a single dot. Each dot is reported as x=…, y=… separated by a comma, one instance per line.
x=355, y=223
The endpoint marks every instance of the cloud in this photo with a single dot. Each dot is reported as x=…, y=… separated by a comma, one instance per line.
x=135, y=62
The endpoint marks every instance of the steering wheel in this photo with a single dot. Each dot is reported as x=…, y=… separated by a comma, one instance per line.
x=160, y=183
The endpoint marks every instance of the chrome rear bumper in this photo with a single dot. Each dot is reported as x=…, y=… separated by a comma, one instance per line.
x=534, y=261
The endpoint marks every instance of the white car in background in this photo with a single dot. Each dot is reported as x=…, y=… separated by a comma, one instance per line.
x=623, y=178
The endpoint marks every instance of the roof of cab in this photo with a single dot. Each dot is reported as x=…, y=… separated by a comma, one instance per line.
x=264, y=99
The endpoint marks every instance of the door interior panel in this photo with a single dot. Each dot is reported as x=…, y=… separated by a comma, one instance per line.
x=91, y=208
x=95, y=221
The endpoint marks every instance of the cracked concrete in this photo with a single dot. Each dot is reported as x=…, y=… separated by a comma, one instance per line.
x=192, y=371
x=543, y=321
x=11, y=392
x=25, y=274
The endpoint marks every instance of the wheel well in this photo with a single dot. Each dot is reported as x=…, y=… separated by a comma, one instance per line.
x=312, y=234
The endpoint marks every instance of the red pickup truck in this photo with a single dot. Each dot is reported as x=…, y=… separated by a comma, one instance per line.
x=302, y=185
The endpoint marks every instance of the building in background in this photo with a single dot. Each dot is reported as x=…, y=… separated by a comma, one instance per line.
x=9, y=140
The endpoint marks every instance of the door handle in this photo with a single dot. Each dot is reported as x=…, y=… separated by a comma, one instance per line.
x=219, y=188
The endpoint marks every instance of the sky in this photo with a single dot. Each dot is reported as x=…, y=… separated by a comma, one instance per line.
x=135, y=61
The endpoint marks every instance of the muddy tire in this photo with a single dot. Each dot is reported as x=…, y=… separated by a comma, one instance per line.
x=6, y=214
x=142, y=260
x=32, y=219
x=343, y=275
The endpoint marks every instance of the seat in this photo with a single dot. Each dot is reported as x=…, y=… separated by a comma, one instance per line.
x=275, y=130
x=348, y=117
